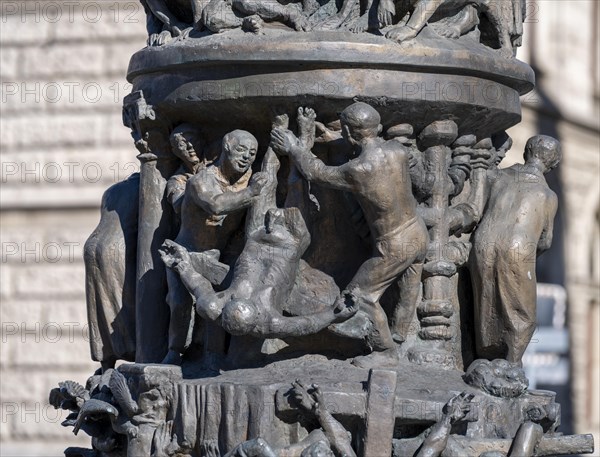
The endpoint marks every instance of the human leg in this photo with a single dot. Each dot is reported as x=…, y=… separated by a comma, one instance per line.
x=181, y=320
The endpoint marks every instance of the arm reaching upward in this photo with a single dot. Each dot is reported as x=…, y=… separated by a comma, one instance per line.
x=312, y=168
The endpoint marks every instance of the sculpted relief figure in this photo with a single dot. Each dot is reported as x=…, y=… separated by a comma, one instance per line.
x=168, y=19
x=399, y=235
x=497, y=24
x=110, y=269
x=516, y=226
x=502, y=29
x=211, y=211
x=264, y=274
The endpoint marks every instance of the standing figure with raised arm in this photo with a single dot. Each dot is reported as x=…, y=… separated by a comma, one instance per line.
x=211, y=212
x=378, y=176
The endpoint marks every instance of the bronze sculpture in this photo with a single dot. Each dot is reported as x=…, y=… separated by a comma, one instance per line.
x=210, y=213
x=368, y=255
x=515, y=228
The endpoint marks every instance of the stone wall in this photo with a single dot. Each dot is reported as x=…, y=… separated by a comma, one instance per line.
x=63, y=67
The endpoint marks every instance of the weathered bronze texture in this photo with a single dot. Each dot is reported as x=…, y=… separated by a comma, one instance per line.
x=322, y=254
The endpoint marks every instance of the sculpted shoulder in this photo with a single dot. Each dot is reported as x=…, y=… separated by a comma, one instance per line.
x=396, y=148
x=205, y=178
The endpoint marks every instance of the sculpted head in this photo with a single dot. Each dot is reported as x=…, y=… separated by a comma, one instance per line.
x=497, y=377
x=186, y=143
x=360, y=121
x=238, y=151
x=502, y=144
x=545, y=149
x=239, y=317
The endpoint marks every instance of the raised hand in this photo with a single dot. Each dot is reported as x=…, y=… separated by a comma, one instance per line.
x=282, y=141
x=174, y=255
x=258, y=182
x=458, y=407
x=346, y=306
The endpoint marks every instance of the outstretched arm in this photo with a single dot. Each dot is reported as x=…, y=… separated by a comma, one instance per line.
x=312, y=168
x=436, y=441
x=312, y=402
x=217, y=204
x=278, y=326
x=178, y=259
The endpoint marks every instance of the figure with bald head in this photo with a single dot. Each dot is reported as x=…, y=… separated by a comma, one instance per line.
x=212, y=210
x=518, y=211
x=378, y=175
x=263, y=276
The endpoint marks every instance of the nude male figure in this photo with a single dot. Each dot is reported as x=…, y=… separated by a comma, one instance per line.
x=211, y=212
x=378, y=177
x=516, y=226
x=264, y=274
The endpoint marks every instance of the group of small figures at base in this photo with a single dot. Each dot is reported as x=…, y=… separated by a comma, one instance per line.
x=134, y=418
x=497, y=24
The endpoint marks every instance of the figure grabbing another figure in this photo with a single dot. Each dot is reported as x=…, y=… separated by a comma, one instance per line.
x=212, y=210
x=264, y=274
x=399, y=235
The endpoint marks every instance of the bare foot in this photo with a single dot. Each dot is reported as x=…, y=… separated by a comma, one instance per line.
x=253, y=24
x=385, y=359
x=299, y=22
x=507, y=52
x=306, y=126
x=174, y=255
x=360, y=24
x=449, y=31
x=281, y=121
x=401, y=33
x=331, y=23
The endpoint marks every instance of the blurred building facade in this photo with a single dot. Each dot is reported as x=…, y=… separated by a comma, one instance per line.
x=561, y=43
x=63, y=66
